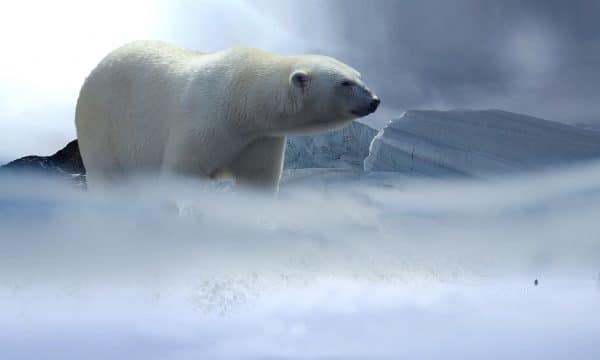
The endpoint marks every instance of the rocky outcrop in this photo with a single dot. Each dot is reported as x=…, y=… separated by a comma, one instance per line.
x=64, y=163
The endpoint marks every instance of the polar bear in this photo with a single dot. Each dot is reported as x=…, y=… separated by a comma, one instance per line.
x=152, y=107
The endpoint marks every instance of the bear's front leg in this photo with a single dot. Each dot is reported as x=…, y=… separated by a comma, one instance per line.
x=259, y=164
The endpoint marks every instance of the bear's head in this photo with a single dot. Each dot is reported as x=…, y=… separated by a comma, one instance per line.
x=324, y=94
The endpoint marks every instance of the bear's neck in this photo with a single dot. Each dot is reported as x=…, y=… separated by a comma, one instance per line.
x=261, y=99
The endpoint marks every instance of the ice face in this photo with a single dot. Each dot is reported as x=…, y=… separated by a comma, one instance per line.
x=477, y=143
x=345, y=148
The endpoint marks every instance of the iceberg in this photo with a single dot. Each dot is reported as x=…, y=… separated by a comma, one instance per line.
x=343, y=149
x=477, y=143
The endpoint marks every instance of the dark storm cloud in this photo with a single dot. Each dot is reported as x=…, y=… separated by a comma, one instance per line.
x=540, y=57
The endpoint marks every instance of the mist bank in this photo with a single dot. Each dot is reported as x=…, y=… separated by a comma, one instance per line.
x=339, y=264
x=385, y=225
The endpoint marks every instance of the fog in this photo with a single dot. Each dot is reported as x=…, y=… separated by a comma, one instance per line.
x=392, y=223
x=387, y=266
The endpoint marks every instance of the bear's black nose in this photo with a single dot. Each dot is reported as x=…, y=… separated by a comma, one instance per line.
x=374, y=104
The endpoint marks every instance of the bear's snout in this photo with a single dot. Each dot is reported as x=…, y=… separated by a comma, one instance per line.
x=368, y=108
x=374, y=104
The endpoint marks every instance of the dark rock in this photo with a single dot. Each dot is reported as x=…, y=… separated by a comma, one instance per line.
x=65, y=163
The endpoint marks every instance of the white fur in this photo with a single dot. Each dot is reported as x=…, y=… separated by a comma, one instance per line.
x=151, y=107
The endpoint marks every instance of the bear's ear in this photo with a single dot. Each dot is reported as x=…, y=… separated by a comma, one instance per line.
x=300, y=79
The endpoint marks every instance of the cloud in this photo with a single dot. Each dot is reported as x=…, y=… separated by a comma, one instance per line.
x=537, y=57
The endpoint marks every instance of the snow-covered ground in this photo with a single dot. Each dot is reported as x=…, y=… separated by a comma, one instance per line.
x=354, y=266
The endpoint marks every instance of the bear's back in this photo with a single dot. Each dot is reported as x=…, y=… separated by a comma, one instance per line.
x=125, y=105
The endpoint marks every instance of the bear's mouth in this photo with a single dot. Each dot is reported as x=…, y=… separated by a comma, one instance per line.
x=360, y=112
x=368, y=109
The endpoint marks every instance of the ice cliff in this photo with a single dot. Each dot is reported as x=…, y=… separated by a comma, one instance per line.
x=345, y=148
x=477, y=143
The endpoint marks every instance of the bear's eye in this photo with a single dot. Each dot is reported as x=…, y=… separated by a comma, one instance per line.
x=346, y=83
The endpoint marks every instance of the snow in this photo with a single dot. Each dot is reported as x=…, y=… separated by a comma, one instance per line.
x=377, y=265
x=329, y=319
x=477, y=143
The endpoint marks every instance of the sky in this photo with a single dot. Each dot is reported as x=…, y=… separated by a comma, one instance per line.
x=537, y=57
